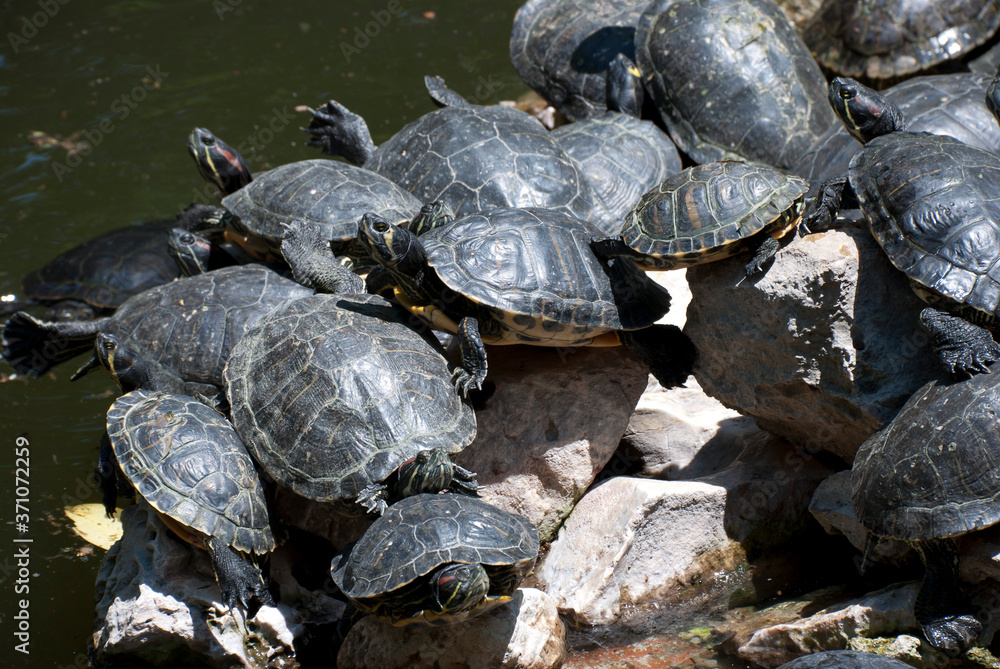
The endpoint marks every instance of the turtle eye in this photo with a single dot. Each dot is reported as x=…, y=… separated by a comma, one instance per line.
x=208, y=140
x=187, y=238
x=109, y=346
x=380, y=226
x=848, y=93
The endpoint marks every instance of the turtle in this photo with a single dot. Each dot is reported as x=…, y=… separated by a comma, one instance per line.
x=931, y=475
x=187, y=462
x=932, y=203
x=332, y=394
x=470, y=156
x=562, y=49
x=708, y=212
x=878, y=40
x=844, y=659
x=196, y=254
x=523, y=276
x=732, y=80
x=621, y=155
x=437, y=560
x=943, y=104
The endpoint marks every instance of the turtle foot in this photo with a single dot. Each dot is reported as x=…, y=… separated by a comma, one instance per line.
x=307, y=252
x=472, y=373
x=952, y=634
x=240, y=581
x=765, y=252
x=669, y=352
x=964, y=348
x=34, y=347
x=374, y=498
x=337, y=131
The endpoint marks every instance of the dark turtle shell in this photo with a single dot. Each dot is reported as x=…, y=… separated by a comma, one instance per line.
x=476, y=158
x=421, y=533
x=884, y=39
x=533, y=269
x=943, y=104
x=844, y=659
x=934, y=471
x=712, y=211
x=332, y=393
x=327, y=193
x=933, y=204
x=732, y=80
x=187, y=462
x=562, y=48
x=622, y=157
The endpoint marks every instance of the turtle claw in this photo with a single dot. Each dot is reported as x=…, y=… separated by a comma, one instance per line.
x=465, y=382
x=964, y=348
x=373, y=498
x=953, y=634
x=337, y=131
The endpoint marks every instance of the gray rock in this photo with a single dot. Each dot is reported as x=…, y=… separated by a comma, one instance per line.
x=523, y=634
x=822, y=350
x=555, y=419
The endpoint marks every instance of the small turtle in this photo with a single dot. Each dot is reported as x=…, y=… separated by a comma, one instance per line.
x=708, y=212
x=885, y=39
x=332, y=394
x=187, y=462
x=933, y=205
x=437, y=560
x=523, y=276
x=732, y=80
x=844, y=659
x=931, y=475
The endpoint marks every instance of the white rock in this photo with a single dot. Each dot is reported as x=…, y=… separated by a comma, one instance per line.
x=523, y=634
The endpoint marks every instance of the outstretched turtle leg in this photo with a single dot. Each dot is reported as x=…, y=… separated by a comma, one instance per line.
x=768, y=248
x=472, y=373
x=964, y=348
x=308, y=253
x=834, y=195
x=107, y=471
x=464, y=482
x=669, y=352
x=340, y=132
x=34, y=347
x=948, y=622
x=374, y=498
x=442, y=95
x=240, y=581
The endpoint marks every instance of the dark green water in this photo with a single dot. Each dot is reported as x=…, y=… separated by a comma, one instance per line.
x=137, y=76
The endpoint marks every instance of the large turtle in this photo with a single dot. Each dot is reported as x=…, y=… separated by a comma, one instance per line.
x=333, y=393
x=732, y=80
x=708, y=212
x=931, y=475
x=437, y=560
x=524, y=276
x=933, y=205
x=187, y=462
x=885, y=39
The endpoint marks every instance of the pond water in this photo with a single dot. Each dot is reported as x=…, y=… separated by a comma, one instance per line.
x=132, y=78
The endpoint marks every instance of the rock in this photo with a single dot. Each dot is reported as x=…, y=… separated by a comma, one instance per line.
x=524, y=634
x=555, y=418
x=823, y=349
x=906, y=648
x=887, y=611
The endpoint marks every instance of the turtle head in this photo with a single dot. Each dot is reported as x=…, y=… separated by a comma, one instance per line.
x=428, y=471
x=864, y=112
x=623, y=87
x=128, y=369
x=391, y=246
x=218, y=163
x=195, y=254
x=432, y=215
x=459, y=587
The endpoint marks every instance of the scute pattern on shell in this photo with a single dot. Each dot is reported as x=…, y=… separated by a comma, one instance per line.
x=421, y=533
x=934, y=471
x=933, y=204
x=187, y=461
x=328, y=193
x=883, y=39
x=477, y=158
x=332, y=393
x=732, y=80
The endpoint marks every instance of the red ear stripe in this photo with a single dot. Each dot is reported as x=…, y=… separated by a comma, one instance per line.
x=232, y=159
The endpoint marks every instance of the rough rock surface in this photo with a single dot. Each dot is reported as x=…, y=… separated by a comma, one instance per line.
x=554, y=420
x=823, y=349
x=524, y=634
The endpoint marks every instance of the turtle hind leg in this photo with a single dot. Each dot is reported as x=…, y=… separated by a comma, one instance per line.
x=964, y=348
x=669, y=352
x=472, y=373
x=313, y=264
x=767, y=250
x=240, y=581
x=340, y=132
x=947, y=621
x=34, y=347
x=107, y=474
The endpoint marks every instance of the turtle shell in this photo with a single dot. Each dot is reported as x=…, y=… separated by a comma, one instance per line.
x=332, y=393
x=622, y=157
x=933, y=205
x=533, y=269
x=108, y=269
x=710, y=211
x=418, y=534
x=187, y=462
x=732, y=80
x=884, y=39
x=477, y=158
x=562, y=48
x=943, y=104
x=327, y=193
x=934, y=471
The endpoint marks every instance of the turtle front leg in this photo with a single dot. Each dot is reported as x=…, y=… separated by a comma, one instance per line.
x=463, y=482
x=947, y=621
x=313, y=264
x=767, y=250
x=240, y=581
x=964, y=348
x=669, y=353
x=374, y=498
x=340, y=132
x=828, y=204
x=472, y=373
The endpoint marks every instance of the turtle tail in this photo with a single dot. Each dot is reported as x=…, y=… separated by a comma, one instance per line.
x=32, y=346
